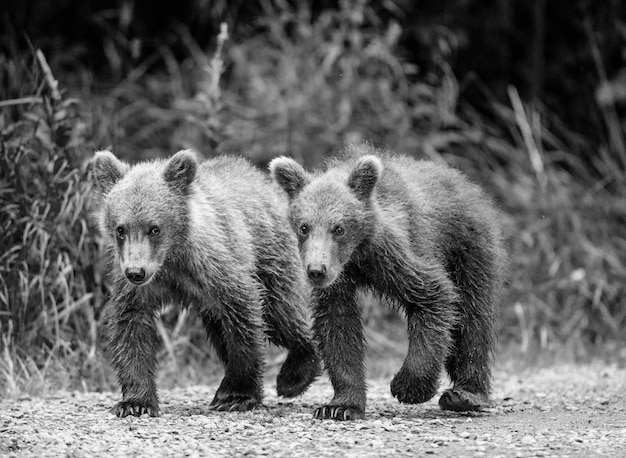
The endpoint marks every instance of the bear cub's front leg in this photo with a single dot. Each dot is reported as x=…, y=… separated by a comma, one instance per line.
x=133, y=346
x=338, y=329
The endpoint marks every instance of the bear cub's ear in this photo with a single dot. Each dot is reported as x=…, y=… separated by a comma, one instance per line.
x=289, y=175
x=180, y=169
x=364, y=176
x=107, y=170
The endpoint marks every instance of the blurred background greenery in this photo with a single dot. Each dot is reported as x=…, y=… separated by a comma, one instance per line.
x=526, y=97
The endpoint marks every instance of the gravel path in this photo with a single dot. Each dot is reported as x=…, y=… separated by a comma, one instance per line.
x=562, y=411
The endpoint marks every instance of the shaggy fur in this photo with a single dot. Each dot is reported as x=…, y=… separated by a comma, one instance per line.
x=417, y=233
x=213, y=236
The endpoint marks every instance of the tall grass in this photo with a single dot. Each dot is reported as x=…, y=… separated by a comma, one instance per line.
x=50, y=277
x=566, y=238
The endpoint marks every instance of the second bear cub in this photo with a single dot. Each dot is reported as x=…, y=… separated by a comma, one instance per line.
x=417, y=233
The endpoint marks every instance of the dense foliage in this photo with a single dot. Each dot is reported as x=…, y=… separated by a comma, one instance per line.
x=50, y=272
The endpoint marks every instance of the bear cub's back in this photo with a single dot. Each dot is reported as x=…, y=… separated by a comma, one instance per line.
x=241, y=183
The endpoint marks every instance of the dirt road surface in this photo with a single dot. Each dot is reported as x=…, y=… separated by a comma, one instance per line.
x=560, y=411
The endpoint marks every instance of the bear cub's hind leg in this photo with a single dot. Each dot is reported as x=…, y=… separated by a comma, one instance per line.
x=459, y=400
x=469, y=367
x=237, y=339
x=287, y=328
x=235, y=397
x=469, y=364
x=299, y=370
x=286, y=323
x=228, y=397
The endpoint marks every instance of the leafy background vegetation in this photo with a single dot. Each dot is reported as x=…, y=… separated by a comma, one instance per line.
x=525, y=97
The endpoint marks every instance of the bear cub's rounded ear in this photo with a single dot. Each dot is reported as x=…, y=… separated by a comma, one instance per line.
x=289, y=175
x=180, y=169
x=364, y=176
x=107, y=170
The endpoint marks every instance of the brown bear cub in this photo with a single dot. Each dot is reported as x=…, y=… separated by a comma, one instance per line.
x=213, y=236
x=420, y=235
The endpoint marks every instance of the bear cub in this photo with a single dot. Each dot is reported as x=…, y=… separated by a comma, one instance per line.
x=213, y=236
x=418, y=234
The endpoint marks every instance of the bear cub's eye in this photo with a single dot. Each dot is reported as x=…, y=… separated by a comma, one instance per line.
x=339, y=230
x=154, y=230
x=304, y=229
x=120, y=232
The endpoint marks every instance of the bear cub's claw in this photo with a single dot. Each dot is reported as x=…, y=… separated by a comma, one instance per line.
x=125, y=408
x=234, y=403
x=341, y=413
x=296, y=374
x=409, y=389
x=459, y=400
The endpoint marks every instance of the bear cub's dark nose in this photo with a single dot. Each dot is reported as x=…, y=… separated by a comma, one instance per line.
x=135, y=274
x=316, y=272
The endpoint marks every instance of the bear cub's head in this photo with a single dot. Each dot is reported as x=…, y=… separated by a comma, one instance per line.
x=142, y=213
x=332, y=213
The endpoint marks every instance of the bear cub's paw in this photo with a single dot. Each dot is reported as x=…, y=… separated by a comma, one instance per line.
x=409, y=389
x=234, y=403
x=459, y=400
x=297, y=373
x=336, y=412
x=125, y=408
